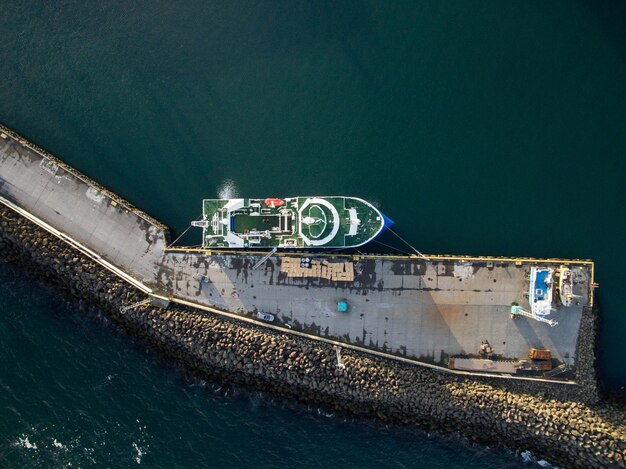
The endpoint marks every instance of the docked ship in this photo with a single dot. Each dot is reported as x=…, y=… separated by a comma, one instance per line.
x=565, y=286
x=540, y=293
x=294, y=222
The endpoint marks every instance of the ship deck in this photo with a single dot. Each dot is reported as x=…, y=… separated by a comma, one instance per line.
x=335, y=222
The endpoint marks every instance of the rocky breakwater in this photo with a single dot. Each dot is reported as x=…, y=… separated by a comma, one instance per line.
x=568, y=425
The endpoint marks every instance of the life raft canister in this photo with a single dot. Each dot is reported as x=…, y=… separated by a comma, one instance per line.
x=274, y=202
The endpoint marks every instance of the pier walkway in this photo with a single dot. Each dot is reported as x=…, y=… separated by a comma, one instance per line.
x=424, y=310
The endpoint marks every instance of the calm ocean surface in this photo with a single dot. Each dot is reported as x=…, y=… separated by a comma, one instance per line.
x=479, y=127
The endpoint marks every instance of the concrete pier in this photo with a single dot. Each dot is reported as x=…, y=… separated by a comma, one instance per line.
x=406, y=308
x=411, y=307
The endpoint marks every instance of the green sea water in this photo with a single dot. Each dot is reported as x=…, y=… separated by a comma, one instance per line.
x=480, y=127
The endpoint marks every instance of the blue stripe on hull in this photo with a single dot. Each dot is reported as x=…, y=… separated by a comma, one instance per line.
x=388, y=222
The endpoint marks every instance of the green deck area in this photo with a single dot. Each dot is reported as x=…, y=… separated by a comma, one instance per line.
x=298, y=222
x=244, y=223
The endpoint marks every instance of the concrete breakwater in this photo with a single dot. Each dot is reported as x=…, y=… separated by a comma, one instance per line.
x=436, y=311
x=568, y=425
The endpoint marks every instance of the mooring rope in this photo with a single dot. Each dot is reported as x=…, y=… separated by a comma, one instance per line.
x=392, y=247
x=183, y=234
x=402, y=239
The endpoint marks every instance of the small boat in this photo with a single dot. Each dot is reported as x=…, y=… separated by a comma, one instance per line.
x=565, y=286
x=540, y=293
x=273, y=203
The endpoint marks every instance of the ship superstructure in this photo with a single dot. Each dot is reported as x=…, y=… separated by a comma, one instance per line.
x=294, y=222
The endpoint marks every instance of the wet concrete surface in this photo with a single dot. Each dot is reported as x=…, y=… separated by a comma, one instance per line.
x=410, y=307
